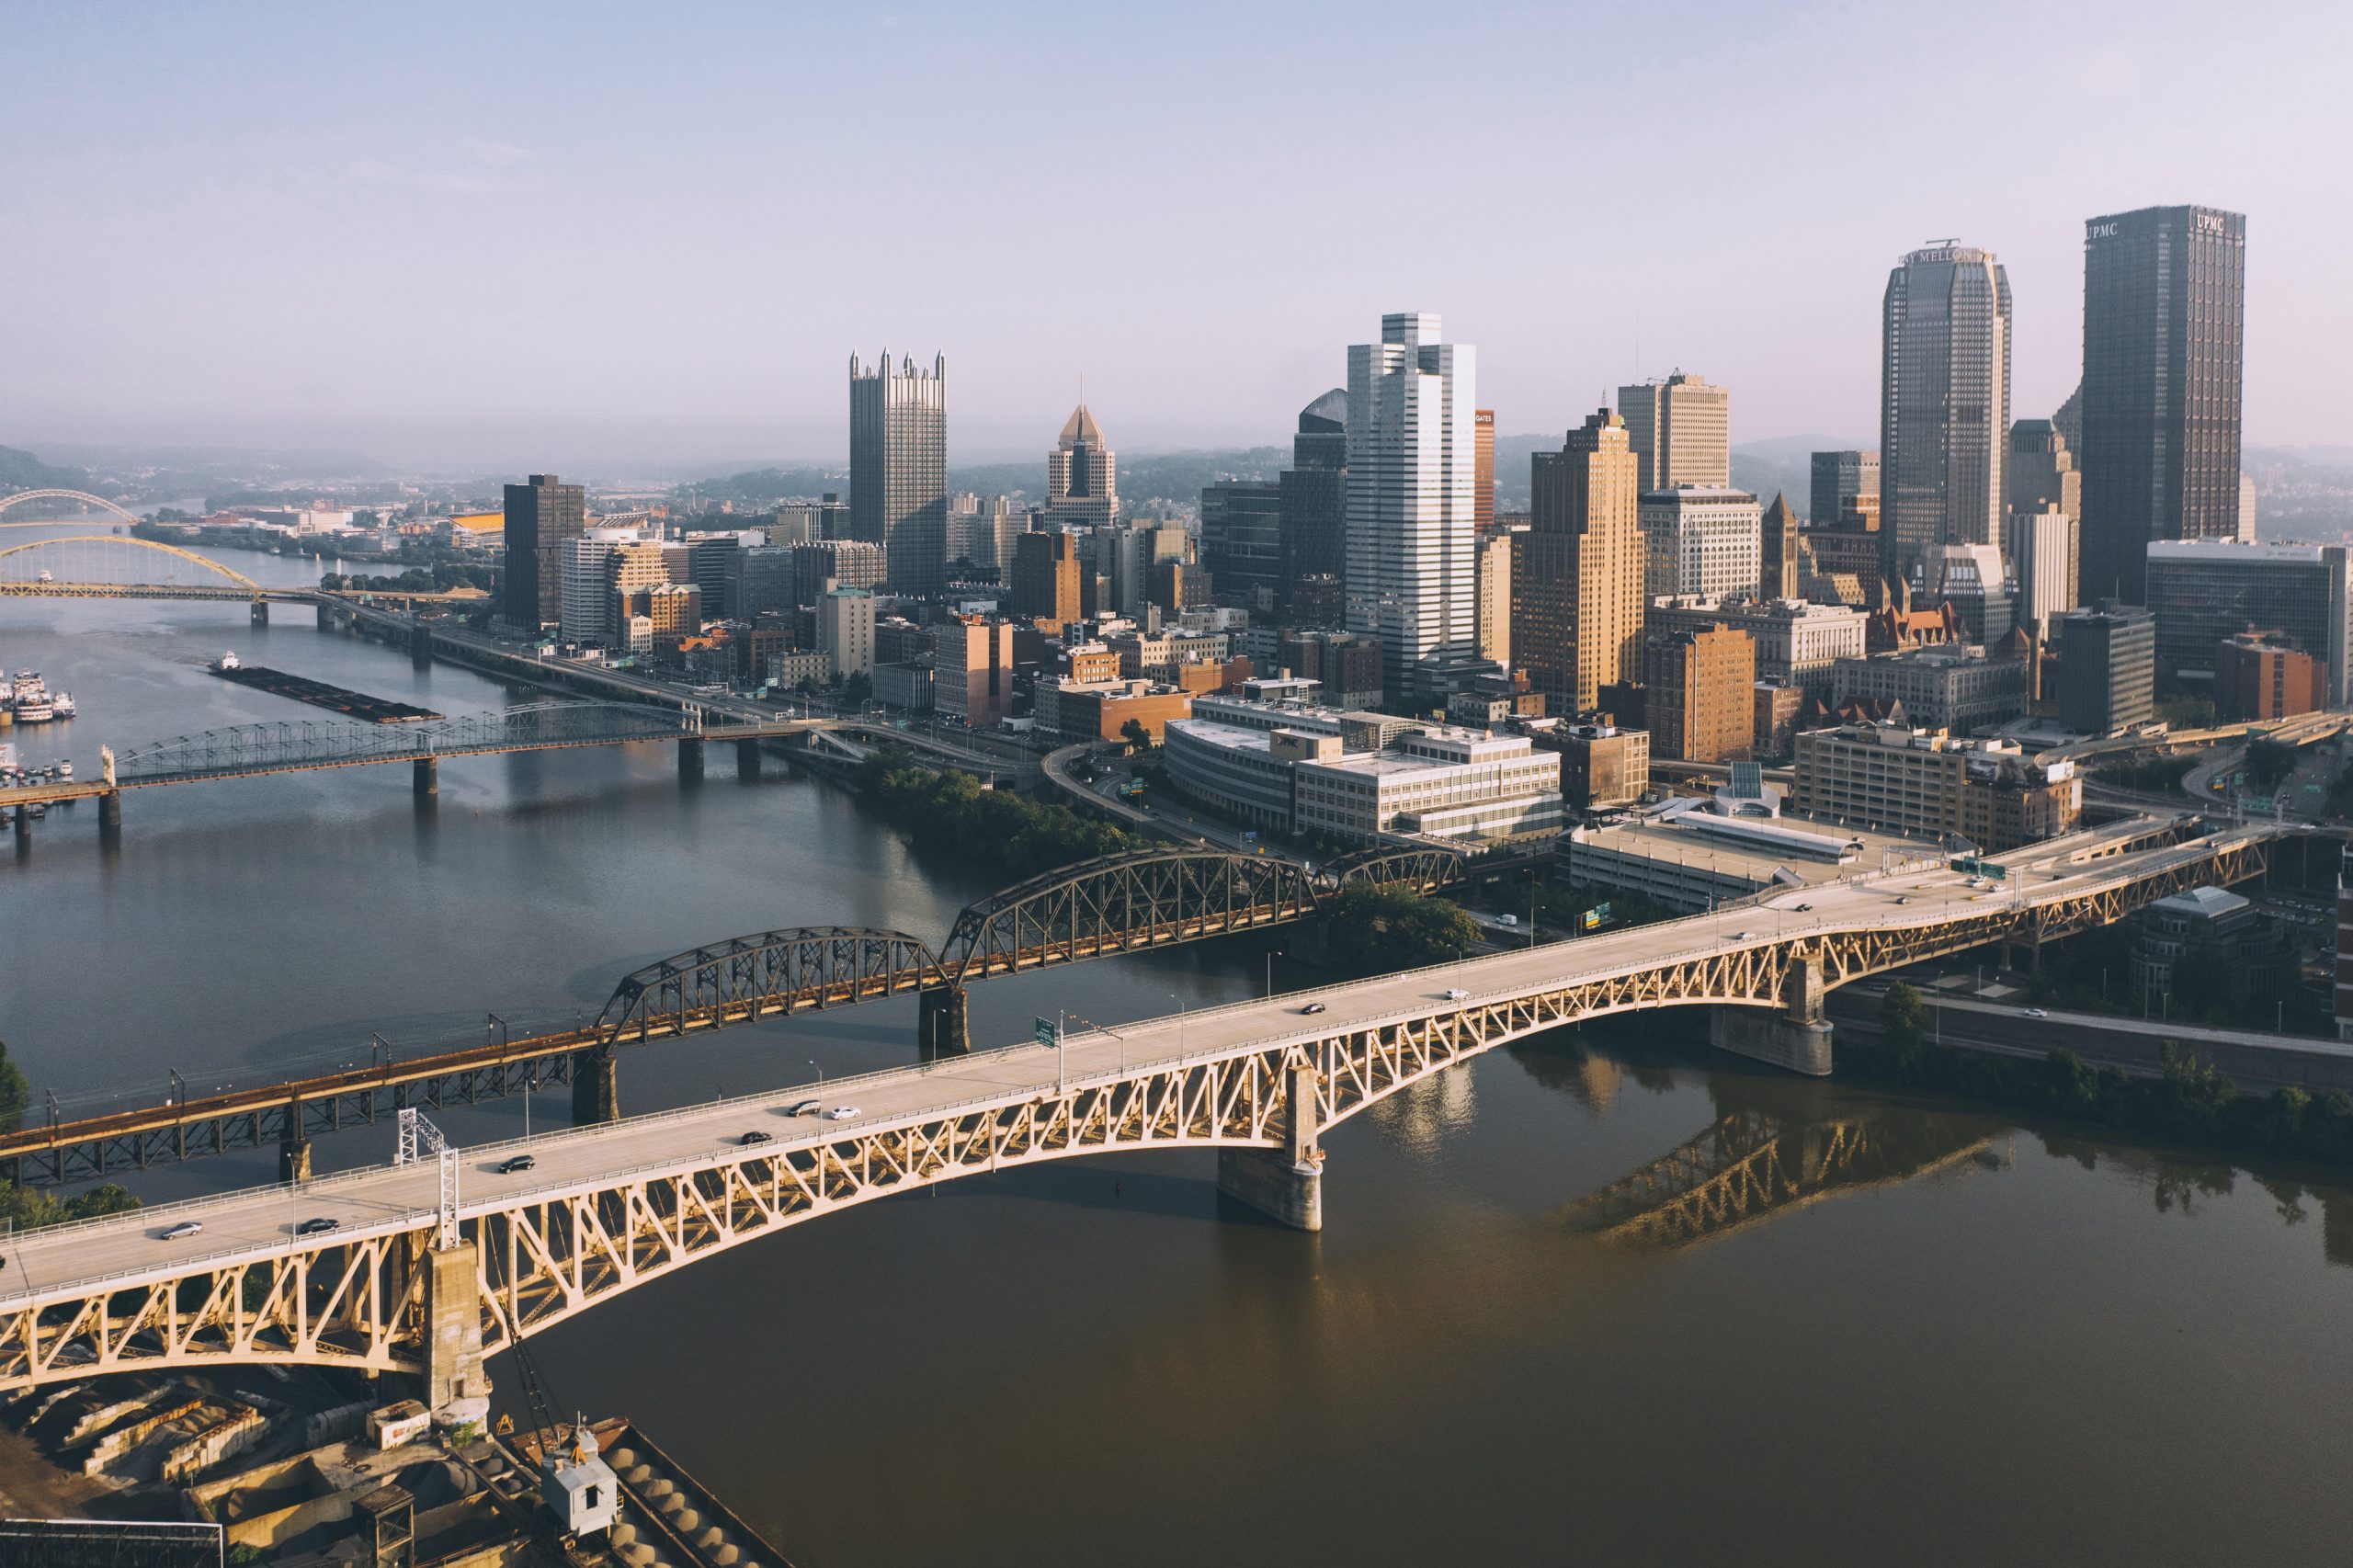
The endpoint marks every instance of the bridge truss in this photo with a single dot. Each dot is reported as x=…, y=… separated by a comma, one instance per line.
x=116, y=566
x=357, y=1298
x=291, y=745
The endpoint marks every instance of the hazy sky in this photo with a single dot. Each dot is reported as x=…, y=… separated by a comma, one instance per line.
x=627, y=237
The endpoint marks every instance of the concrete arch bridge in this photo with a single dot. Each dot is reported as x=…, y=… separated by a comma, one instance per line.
x=434, y=1264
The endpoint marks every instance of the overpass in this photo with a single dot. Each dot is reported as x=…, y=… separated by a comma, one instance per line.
x=438, y=1260
x=1096, y=909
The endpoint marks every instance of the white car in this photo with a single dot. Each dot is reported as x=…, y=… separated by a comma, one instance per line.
x=842, y=1113
x=1456, y=994
x=2036, y=1013
x=182, y=1231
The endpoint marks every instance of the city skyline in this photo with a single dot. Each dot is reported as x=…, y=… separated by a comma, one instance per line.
x=340, y=279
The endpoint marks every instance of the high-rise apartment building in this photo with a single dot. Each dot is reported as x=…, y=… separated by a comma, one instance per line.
x=1045, y=580
x=1944, y=402
x=2040, y=546
x=543, y=517
x=1494, y=571
x=1482, y=508
x=1700, y=701
x=2165, y=296
x=1776, y=563
x=845, y=631
x=1315, y=502
x=1082, y=476
x=1842, y=482
x=898, y=469
x=1578, y=573
x=1701, y=539
x=1242, y=541
x=1412, y=494
x=1680, y=429
x=2107, y=667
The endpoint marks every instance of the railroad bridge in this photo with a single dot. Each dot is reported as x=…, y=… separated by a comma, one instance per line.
x=1098, y=908
x=434, y=1263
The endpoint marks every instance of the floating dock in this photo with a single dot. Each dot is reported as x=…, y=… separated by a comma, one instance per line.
x=319, y=694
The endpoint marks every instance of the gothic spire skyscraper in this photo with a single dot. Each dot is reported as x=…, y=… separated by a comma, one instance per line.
x=898, y=469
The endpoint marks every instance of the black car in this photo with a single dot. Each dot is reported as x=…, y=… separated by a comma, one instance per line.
x=755, y=1136
x=313, y=1227
x=514, y=1163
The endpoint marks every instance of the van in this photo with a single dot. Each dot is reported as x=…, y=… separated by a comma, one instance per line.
x=1456, y=994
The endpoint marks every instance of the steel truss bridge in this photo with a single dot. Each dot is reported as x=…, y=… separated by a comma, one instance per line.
x=431, y=1268
x=1096, y=909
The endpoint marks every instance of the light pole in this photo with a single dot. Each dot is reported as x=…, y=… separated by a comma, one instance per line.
x=1271, y=970
x=817, y=1070
x=1180, y=1021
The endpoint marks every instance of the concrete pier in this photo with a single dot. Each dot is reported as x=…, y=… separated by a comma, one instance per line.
x=420, y=642
x=747, y=759
x=1796, y=1037
x=23, y=820
x=940, y=1024
x=425, y=775
x=596, y=1088
x=690, y=760
x=110, y=813
x=1286, y=1183
x=294, y=1157
x=326, y=613
x=455, y=1377
x=260, y=615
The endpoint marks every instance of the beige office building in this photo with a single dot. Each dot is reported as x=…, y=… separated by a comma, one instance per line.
x=1577, y=578
x=1680, y=429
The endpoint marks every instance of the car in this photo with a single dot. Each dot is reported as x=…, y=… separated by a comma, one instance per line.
x=755, y=1136
x=2036, y=1013
x=801, y=1108
x=1456, y=994
x=182, y=1231
x=1742, y=936
x=1507, y=919
x=1800, y=908
x=842, y=1113
x=514, y=1163
x=1904, y=898
x=1312, y=1007
x=318, y=1225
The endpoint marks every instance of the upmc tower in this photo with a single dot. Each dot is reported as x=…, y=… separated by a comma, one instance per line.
x=2165, y=326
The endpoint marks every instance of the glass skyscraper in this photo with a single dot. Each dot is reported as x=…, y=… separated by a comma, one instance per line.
x=1944, y=403
x=2165, y=296
x=1413, y=497
x=898, y=469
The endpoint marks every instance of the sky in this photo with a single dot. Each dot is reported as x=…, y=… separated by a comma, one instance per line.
x=636, y=239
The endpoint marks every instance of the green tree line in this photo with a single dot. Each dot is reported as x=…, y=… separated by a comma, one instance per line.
x=23, y=1208
x=953, y=811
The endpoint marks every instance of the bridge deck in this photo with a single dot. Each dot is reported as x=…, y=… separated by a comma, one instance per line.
x=68, y=1263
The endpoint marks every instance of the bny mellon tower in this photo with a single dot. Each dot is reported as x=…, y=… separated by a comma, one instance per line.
x=1944, y=421
x=898, y=469
x=1413, y=497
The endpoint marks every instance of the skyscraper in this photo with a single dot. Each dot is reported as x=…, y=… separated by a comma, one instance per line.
x=2042, y=481
x=1680, y=429
x=1777, y=570
x=1483, y=511
x=1082, y=476
x=1494, y=569
x=2164, y=294
x=1315, y=496
x=1242, y=541
x=1842, y=480
x=1944, y=418
x=543, y=517
x=1045, y=579
x=898, y=469
x=1412, y=493
x=1699, y=539
x=1577, y=573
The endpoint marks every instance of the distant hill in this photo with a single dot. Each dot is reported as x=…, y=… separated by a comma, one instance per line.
x=20, y=470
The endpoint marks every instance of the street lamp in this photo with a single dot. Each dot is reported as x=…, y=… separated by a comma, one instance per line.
x=1180, y=1021
x=817, y=1070
x=1270, y=970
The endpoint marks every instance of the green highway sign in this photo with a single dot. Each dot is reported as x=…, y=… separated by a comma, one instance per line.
x=1048, y=1031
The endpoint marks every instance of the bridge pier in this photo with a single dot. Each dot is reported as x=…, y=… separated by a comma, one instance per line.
x=457, y=1384
x=23, y=820
x=596, y=1088
x=1285, y=1183
x=747, y=759
x=294, y=1155
x=941, y=1029
x=425, y=775
x=260, y=614
x=1796, y=1037
x=326, y=613
x=420, y=642
x=690, y=760
x=110, y=813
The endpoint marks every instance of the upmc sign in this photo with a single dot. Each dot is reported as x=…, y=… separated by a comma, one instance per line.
x=2211, y=223
x=2099, y=231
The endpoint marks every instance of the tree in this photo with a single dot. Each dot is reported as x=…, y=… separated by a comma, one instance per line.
x=1139, y=738
x=1903, y=1023
x=1377, y=930
x=2267, y=762
x=15, y=1093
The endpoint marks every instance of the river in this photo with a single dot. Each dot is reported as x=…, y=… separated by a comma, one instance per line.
x=1973, y=1340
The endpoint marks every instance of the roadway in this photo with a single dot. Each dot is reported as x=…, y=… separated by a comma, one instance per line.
x=57, y=1264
